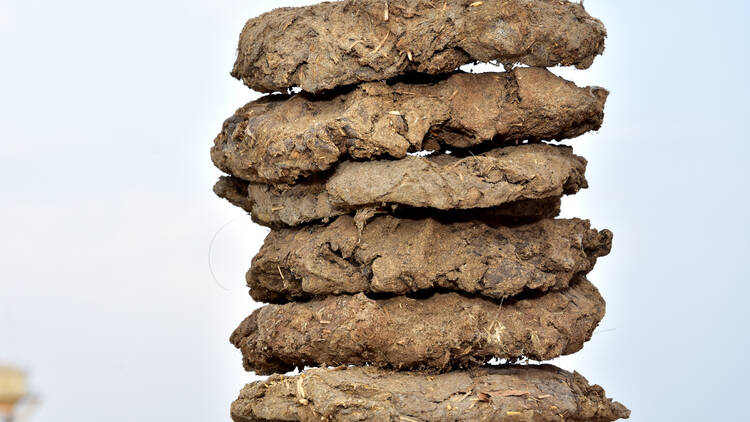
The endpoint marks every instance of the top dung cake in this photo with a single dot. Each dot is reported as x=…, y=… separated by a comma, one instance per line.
x=328, y=45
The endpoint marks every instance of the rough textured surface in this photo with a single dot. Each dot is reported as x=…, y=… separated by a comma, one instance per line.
x=399, y=256
x=506, y=393
x=279, y=139
x=519, y=212
x=332, y=44
x=441, y=332
x=445, y=182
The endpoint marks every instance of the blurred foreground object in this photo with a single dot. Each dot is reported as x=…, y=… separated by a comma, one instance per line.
x=16, y=403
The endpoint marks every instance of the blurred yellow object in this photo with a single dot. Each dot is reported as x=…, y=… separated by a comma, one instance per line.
x=12, y=386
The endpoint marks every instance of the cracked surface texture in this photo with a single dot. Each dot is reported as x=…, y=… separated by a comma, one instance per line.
x=527, y=393
x=399, y=256
x=280, y=139
x=444, y=182
x=328, y=45
x=441, y=332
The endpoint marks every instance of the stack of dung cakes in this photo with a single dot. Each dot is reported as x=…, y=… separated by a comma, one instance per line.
x=413, y=212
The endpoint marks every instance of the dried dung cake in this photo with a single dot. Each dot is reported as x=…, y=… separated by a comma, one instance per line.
x=329, y=45
x=526, y=393
x=280, y=139
x=498, y=177
x=398, y=256
x=442, y=331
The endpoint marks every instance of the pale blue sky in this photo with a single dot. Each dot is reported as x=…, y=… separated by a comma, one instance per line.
x=107, y=112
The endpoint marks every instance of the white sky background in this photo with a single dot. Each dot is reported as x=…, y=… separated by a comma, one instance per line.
x=107, y=113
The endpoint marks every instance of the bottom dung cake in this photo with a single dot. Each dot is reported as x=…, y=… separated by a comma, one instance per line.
x=503, y=393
